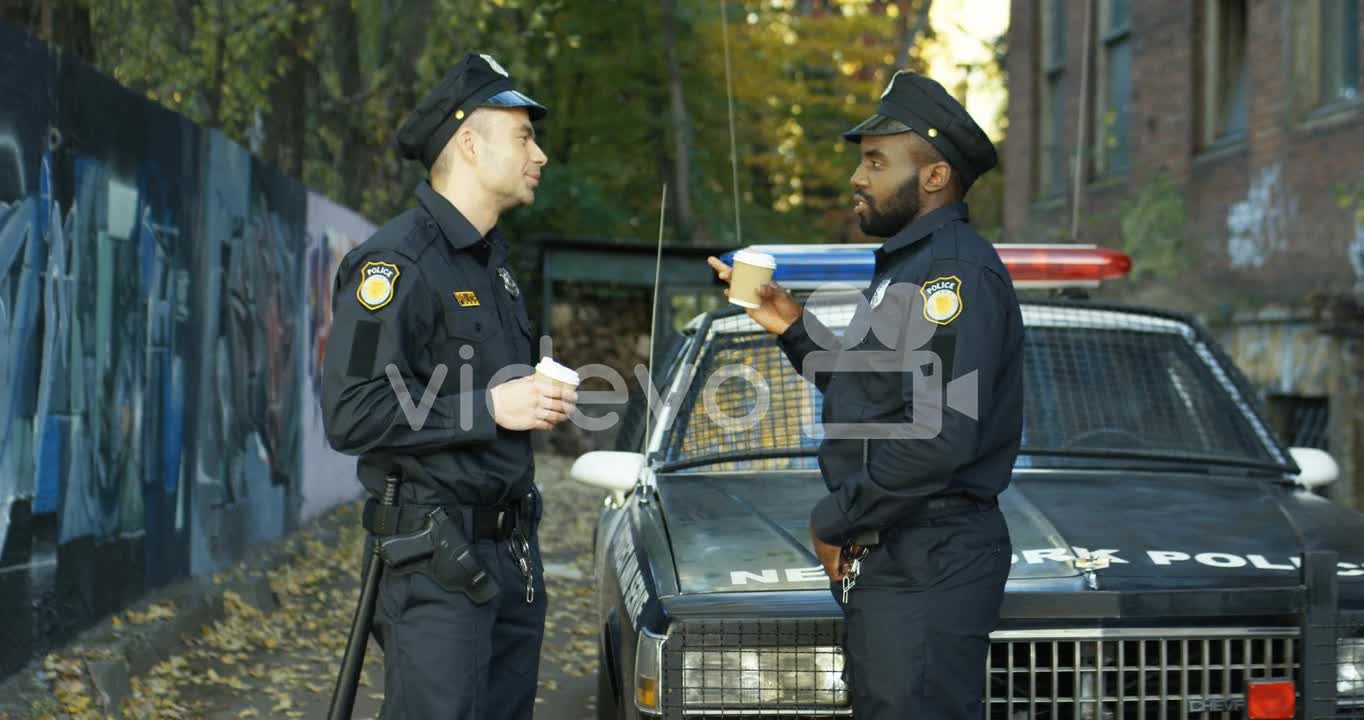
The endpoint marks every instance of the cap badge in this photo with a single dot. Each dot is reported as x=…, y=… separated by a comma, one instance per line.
x=493, y=63
x=890, y=85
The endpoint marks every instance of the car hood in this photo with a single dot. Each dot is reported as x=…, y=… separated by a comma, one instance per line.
x=1108, y=531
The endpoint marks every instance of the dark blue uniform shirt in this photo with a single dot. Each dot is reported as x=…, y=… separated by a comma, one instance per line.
x=942, y=309
x=426, y=291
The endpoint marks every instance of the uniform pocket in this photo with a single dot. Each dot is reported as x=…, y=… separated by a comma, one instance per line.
x=470, y=326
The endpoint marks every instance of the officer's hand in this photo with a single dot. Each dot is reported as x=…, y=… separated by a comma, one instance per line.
x=830, y=556
x=778, y=309
x=524, y=404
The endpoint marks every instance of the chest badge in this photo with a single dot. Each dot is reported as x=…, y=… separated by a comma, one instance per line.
x=466, y=298
x=376, y=287
x=509, y=282
x=942, y=299
x=880, y=293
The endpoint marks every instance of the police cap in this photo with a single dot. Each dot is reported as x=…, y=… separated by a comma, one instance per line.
x=912, y=102
x=477, y=81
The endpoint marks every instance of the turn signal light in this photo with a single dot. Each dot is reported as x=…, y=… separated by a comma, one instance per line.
x=1270, y=700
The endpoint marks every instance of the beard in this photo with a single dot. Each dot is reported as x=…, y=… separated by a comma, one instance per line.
x=900, y=210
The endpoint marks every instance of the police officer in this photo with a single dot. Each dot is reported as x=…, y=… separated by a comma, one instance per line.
x=427, y=375
x=922, y=487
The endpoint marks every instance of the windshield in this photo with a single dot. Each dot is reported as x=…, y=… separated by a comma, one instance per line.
x=1099, y=386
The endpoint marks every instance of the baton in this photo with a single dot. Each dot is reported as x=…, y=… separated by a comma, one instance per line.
x=348, y=681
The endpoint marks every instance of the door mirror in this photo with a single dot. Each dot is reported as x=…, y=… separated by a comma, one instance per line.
x=610, y=470
x=1318, y=468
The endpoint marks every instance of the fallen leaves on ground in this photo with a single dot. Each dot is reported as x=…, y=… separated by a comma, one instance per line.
x=276, y=663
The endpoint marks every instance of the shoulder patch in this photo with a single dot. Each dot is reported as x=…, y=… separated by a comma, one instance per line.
x=377, y=283
x=942, y=299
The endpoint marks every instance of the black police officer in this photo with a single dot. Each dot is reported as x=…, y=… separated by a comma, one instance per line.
x=924, y=483
x=427, y=305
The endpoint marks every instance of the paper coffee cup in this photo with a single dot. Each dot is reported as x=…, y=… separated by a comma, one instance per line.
x=551, y=373
x=751, y=271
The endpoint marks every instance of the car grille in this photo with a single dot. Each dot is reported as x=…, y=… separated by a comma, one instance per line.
x=1112, y=675
x=1047, y=674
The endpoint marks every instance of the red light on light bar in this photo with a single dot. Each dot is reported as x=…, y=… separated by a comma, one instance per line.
x=1270, y=700
x=1055, y=266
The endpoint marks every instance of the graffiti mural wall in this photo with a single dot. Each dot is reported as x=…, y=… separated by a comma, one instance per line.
x=163, y=303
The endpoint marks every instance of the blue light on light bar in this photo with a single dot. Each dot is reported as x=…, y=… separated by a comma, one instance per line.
x=806, y=267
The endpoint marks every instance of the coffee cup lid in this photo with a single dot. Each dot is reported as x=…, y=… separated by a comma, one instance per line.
x=554, y=370
x=759, y=259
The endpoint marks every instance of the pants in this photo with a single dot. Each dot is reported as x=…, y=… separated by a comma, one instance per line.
x=446, y=658
x=917, y=623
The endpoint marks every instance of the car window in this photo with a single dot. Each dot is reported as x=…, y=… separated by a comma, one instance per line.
x=1115, y=387
x=1126, y=389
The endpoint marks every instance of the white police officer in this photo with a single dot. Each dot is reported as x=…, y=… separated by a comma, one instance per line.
x=428, y=300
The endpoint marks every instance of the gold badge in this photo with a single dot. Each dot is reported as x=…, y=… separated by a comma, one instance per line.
x=466, y=298
x=942, y=299
x=376, y=287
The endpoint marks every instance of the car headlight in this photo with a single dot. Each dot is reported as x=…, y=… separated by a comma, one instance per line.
x=1350, y=669
x=806, y=676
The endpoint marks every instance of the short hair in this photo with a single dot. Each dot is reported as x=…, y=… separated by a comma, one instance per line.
x=478, y=121
x=931, y=154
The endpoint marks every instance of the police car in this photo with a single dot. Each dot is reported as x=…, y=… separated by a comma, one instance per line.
x=1171, y=558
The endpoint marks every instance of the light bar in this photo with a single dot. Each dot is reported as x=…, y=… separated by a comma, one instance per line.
x=807, y=267
x=1057, y=266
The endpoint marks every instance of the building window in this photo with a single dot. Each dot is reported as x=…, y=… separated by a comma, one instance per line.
x=1300, y=421
x=1051, y=158
x=1325, y=54
x=1112, y=86
x=1225, y=79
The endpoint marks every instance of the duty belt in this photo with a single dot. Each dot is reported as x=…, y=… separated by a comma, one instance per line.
x=484, y=522
x=940, y=505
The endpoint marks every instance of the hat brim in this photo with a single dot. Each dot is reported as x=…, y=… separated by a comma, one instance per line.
x=877, y=124
x=515, y=99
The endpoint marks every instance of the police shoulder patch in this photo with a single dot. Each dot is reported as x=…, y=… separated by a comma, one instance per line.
x=942, y=299
x=377, y=283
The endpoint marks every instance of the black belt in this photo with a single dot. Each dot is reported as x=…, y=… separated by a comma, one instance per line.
x=483, y=522
x=940, y=505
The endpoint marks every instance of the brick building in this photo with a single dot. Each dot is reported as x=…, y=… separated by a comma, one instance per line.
x=1221, y=143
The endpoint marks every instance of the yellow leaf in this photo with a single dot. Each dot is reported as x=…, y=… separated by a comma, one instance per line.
x=248, y=713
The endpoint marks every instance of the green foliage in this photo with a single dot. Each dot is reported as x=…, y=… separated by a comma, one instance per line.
x=1152, y=223
x=330, y=81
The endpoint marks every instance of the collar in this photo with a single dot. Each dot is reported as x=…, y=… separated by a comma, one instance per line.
x=924, y=226
x=457, y=229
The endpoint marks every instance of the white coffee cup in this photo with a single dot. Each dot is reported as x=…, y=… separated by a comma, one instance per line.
x=751, y=271
x=552, y=374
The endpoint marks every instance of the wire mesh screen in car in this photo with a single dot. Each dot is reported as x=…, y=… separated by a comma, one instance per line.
x=745, y=396
x=1094, y=380
x=1128, y=388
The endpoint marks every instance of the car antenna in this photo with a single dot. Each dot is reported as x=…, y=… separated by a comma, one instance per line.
x=733, y=149
x=649, y=390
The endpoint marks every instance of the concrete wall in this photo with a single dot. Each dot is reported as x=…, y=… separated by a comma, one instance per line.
x=163, y=304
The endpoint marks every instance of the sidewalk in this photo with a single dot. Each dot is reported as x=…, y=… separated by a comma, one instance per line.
x=275, y=652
